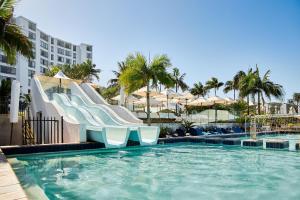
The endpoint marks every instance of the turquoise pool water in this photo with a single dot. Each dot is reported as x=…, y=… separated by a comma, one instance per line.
x=182, y=171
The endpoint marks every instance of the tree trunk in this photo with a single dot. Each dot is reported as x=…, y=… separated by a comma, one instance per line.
x=258, y=102
x=176, y=89
x=233, y=94
x=148, y=104
x=215, y=92
x=248, y=102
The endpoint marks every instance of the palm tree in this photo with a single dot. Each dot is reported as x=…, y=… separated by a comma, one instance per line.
x=86, y=71
x=140, y=73
x=178, y=80
x=296, y=98
x=199, y=90
x=12, y=40
x=214, y=83
x=233, y=85
x=114, y=82
x=253, y=84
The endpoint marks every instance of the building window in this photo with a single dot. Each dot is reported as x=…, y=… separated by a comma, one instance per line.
x=68, y=61
x=43, y=70
x=7, y=70
x=52, y=40
x=89, y=48
x=68, y=45
x=44, y=53
x=60, y=59
x=44, y=36
x=74, y=55
x=74, y=62
x=44, y=44
x=31, y=64
x=33, y=55
x=32, y=26
x=29, y=82
x=89, y=55
x=68, y=53
x=52, y=57
x=51, y=63
x=31, y=73
x=3, y=58
x=52, y=49
x=60, y=51
x=60, y=43
x=31, y=35
x=74, y=48
x=44, y=62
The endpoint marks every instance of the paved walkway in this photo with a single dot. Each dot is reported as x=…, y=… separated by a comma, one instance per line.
x=10, y=187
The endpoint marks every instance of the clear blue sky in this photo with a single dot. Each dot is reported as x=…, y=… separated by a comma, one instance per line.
x=202, y=38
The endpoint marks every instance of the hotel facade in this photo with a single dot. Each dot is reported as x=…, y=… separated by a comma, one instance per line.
x=48, y=51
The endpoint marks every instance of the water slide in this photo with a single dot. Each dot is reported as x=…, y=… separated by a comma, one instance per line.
x=119, y=110
x=84, y=118
x=145, y=135
x=74, y=132
x=110, y=136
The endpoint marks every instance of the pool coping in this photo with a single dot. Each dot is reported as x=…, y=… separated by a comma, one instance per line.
x=43, y=148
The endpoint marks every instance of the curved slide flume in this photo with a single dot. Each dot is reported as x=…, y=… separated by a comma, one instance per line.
x=145, y=135
x=111, y=136
x=119, y=110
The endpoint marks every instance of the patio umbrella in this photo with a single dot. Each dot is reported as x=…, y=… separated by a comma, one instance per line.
x=168, y=93
x=200, y=102
x=60, y=75
x=216, y=100
x=143, y=92
x=153, y=102
x=186, y=96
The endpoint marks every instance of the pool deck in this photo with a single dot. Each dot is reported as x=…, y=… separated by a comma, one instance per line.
x=10, y=187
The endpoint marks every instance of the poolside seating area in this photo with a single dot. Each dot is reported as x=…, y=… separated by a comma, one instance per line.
x=204, y=131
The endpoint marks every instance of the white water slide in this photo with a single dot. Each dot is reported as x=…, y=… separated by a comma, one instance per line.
x=101, y=122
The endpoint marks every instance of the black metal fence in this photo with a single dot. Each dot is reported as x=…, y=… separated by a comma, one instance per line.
x=42, y=130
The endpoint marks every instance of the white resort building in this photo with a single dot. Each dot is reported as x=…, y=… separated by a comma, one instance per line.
x=48, y=51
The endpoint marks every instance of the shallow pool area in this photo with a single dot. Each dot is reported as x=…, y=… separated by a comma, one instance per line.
x=178, y=171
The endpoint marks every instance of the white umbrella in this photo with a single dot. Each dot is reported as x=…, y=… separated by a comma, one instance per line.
x=129, y=98
x=168, y=93
x=60, y=75
x=200, y=102
x=229, y=100
x=216, y=100
x=186, y=96
x=143, y=92
x=153, y=102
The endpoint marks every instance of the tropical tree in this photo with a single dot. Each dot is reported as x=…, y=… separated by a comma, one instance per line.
x=199, y=90
x=140, y=73
x=296, y=98
x=234, y=84
x=12, y=40
x=85, y=71
x=214, y=83
x=179, y=80
x=114, y=82
x=5, y=89
x=253, y=84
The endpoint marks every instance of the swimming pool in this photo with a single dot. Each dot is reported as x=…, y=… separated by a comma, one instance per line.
x=180, y=171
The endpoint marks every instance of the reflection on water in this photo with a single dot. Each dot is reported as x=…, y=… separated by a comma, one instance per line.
x=164, y=172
